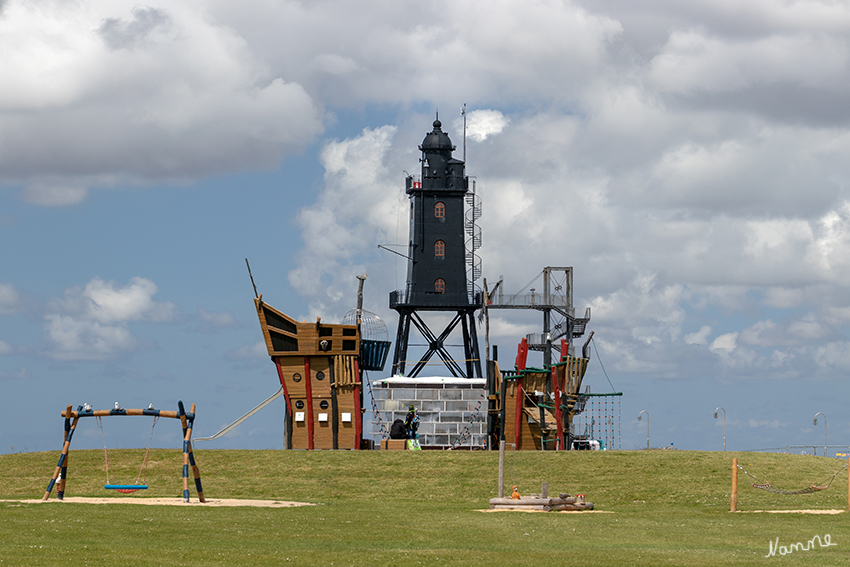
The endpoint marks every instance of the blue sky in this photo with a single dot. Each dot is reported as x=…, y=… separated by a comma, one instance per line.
x=689, y=160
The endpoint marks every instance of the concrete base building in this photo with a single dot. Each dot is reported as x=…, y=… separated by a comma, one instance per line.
x=452, y=411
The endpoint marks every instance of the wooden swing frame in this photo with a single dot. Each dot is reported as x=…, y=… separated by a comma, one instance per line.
x=72, y=417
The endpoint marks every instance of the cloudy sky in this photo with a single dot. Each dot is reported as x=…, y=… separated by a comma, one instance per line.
x=688, y=159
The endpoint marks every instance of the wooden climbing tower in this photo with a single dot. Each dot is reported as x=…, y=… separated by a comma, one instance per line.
x=536, y=405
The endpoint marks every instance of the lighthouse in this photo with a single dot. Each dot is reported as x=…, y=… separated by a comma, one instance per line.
x=441, y=260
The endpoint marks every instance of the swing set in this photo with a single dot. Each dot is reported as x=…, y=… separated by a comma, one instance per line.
x=60, y=474
x=143, y=470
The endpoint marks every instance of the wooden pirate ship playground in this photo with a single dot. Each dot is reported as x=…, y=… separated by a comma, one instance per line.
x=320, y=375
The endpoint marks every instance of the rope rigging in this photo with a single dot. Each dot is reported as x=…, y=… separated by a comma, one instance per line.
x=812, y=488
x=461, y=439
x=596, y=350
x=385, y=433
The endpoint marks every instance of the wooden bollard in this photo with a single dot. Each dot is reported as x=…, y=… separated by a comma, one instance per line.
x=734, y=484
x=502, y=468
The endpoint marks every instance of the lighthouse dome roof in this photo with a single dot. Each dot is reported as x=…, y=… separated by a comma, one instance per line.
x=436, y=139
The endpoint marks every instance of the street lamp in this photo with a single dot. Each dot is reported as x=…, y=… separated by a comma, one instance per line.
x=724, y=424
x=647, y=425
x=824, y=430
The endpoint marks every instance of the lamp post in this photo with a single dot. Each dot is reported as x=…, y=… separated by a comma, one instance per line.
x=647, y=425
x=824, y=430
x=724, y=424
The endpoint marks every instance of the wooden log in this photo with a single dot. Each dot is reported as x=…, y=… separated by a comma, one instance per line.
x=585, y=506
x=358, y=415
x=537, y=503
x=533, y=501
x=106, y=413
x=518, y=412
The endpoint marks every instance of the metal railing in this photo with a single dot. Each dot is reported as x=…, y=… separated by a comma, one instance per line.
x=533, y=300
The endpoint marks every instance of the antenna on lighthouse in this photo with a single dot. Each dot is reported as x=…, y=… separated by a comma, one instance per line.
x=463, y=113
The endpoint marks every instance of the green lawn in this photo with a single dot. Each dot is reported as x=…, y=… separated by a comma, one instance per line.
x=409, y=508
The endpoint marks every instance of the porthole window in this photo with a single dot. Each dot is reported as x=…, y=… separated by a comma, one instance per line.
x=320, y=375
x=440, y=285
x=299, y=404
x=323, y=404
x=440, y=210
x=440, y=249
x=296, y=377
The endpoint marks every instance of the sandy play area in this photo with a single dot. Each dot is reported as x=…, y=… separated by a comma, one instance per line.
x=211, y=502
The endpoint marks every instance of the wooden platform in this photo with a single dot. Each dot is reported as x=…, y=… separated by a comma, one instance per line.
x=393, y=444
x=541, y=503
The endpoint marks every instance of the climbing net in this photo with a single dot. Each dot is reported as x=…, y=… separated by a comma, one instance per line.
x=597, y=417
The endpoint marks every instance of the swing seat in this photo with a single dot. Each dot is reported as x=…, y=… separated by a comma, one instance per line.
x=126, y=488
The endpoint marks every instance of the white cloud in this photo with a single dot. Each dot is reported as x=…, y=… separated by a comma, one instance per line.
x=691, y=62
x=91, y=323
x=9, y=299
x=217, y=319
x=96, y=93
x=358, y=209
x=19, y=374
x=6, y=348
x=481, y=124
x=75, y=339
x=107, y=303
x=771, y=423
x=688, y=159
x=725, y=344
x=700, y=337
x=251, y=352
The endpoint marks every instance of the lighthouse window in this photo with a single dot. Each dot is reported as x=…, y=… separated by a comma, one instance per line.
x=440, y=249
x=440, y=210
x=440, y=285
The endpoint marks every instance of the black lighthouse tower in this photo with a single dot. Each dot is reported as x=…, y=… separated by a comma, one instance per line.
x=438, y=261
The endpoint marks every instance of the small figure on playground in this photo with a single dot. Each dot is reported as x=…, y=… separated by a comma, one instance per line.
x=515, y=493
x=411, y=422
x=407, y=429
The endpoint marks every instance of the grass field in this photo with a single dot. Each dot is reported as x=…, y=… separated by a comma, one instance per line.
x=414, y=508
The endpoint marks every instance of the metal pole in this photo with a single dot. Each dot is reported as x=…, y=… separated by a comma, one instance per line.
x=547, y=324
x=724, y=424
x=824, y=430
x=647, y=425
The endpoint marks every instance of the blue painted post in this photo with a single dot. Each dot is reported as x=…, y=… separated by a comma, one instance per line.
x=184, y=421
x=61, y=467
x=195, y=470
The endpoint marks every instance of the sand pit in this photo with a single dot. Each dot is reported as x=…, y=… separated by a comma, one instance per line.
x=792, y=511
x=211, y=502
